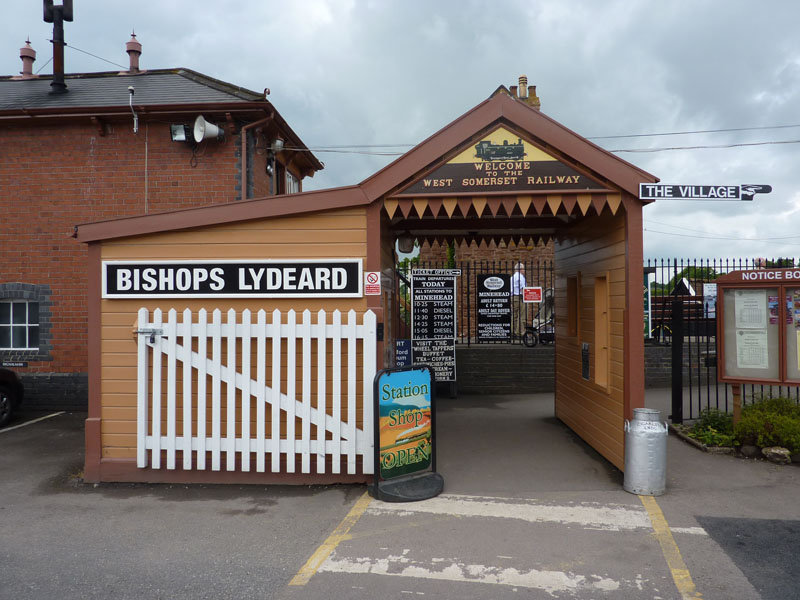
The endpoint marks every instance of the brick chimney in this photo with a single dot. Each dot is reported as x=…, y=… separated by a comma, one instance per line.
x=528, y=94
x=28, y=55
x=134, y=50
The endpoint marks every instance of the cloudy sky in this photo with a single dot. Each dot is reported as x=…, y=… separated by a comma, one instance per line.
x=390, y=73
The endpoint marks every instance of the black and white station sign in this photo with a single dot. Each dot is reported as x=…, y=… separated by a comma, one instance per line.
x=339, y=278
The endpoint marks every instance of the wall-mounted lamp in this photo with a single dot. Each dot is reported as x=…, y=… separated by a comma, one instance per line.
x=405, y=242
x=180, y=132
x=131, y=92
x=276, y=145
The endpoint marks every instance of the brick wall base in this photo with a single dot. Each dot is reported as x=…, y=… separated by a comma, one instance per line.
x=481, y=369
x=484, y=369
x=505, y=369
x=56, y=391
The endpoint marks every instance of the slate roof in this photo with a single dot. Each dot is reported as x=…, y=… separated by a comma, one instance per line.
x=110, y=89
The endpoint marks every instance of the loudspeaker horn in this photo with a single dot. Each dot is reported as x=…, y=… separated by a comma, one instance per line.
x=203, y=130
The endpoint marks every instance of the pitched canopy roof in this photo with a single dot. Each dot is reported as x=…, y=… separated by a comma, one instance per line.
x=612, y=176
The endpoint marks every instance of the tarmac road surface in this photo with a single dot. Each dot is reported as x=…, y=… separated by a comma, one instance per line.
x=528, y=511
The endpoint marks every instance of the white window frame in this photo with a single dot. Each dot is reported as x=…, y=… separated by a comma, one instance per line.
x=27, y=324
x=292, y=183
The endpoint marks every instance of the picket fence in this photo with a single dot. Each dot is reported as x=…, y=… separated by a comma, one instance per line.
x=195, y=349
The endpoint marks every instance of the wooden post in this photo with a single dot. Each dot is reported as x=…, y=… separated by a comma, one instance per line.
x=677, y=361
x=737, y=403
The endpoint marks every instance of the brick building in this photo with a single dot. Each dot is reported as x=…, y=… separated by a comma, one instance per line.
x=104, y=146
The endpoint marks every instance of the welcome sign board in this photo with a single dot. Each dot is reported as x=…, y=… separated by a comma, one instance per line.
x=501, y=161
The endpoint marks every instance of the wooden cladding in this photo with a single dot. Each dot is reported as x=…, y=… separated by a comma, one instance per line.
x=601, y=331
x=506, y=206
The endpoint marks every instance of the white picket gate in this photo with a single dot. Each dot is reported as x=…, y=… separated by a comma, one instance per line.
x=169, y=347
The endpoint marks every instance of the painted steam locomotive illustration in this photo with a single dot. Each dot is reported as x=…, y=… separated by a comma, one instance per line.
x=487, y=151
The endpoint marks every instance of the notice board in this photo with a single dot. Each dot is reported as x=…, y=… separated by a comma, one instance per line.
x=758, y=325
x=494, y=307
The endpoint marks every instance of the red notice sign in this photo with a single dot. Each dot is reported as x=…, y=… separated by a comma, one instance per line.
x=532, y=294
x=372, y=283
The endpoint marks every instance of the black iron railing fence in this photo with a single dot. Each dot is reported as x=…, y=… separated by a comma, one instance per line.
x=537, y=273
x=688, y=286
x=670, y=284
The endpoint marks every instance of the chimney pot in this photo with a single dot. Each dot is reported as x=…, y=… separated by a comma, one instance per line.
x=523, y=86
x=134, y=50
x=513, y=90
x=533, y=99
x=28, y=55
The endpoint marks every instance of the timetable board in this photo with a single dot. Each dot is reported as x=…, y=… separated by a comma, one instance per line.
x=433, y=320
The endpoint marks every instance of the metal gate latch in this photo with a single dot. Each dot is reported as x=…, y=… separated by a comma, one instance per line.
x=152, y=333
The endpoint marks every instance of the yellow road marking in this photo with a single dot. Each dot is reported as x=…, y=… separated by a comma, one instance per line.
x=680, y=574
x=338, y=535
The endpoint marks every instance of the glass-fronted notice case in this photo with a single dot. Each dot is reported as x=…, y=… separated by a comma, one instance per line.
x=758, y=326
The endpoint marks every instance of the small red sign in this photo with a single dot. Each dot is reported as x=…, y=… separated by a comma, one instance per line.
x=532, y=294
x=372, y=283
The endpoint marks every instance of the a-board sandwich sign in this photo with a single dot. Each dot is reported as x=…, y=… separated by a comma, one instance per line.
x=494, y=307
x=405, y=435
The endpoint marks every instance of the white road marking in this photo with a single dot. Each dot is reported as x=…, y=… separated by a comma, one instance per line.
x=551, y=582
x=587, y=515
x=689, y=530
x=610, y=517
x=7, y=429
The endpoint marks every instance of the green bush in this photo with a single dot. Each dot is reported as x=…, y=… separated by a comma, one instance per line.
x=773, y=406
x=713, y=428
x=713, y=418
x=770, y=422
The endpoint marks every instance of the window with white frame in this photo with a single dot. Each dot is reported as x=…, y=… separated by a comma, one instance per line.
x=19, y=325
x=292, y=183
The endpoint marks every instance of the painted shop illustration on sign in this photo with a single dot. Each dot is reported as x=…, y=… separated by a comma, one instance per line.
x=501, y=161
x=405, y=423
x=405, y=435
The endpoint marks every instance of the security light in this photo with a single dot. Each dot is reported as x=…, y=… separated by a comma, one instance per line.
x=179, y=132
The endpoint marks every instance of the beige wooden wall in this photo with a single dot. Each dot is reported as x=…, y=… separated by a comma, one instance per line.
x=592, y=248
x=329, y=235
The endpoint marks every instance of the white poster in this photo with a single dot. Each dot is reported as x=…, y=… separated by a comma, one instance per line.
x=710, y=300
x=751, y=309
x=751, y=349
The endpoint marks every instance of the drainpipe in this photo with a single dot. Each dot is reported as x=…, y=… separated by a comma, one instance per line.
x=244, y=148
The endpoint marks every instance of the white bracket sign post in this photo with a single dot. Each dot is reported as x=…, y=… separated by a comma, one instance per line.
x=668, y=191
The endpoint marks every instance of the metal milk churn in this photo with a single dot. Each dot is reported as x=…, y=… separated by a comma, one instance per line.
x=646, y=453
